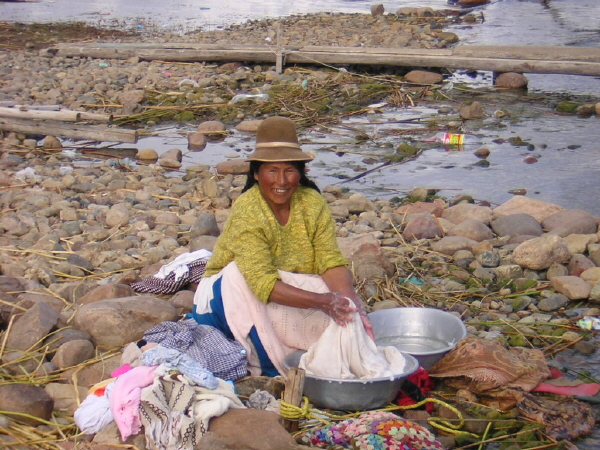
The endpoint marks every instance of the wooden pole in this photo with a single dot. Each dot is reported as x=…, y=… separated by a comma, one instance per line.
x=50, y=128
x=64, y=115
x=280, y=54
x=293, y=394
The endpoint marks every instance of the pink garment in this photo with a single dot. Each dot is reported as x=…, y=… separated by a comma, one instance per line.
x=121, y=370
x=125, y=399
x=559, y=384
x=282, y=329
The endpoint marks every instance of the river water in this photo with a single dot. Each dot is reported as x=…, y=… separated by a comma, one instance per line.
x=566, y=147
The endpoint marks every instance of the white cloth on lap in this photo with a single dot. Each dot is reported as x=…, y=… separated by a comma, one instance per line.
x=348, y=352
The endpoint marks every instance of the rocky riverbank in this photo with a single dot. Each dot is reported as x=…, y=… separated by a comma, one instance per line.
x=74, y=237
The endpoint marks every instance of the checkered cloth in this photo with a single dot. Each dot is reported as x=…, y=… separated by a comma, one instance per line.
x=172, y=282
x=205, y=344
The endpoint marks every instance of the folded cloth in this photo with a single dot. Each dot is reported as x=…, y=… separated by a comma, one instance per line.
x=176, y=414
x=185, y=269
x=175, y=360
x=206, y=345
x=180, y=265
x=349, y=352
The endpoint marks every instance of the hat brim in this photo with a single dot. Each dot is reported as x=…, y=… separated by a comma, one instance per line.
x=279, y=154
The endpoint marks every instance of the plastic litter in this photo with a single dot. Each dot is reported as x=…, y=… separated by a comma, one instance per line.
x=28, y=175
x=189, y=81
x=589, y=323
x=457, y=139
x=257, y=98
x=65, y=170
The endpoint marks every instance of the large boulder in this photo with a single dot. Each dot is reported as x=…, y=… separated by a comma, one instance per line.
x=540, y=253
x=26, y=400
x=117, y=322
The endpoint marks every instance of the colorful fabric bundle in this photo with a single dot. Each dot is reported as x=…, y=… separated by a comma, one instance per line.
x=373, y=430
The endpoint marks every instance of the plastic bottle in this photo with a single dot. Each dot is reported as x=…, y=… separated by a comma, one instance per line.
x=258, y=98
x=453, y=139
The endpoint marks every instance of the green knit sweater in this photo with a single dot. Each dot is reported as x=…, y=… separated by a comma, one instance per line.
x=259, y=245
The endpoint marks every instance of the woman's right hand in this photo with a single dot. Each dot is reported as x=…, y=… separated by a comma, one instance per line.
x=339, y=308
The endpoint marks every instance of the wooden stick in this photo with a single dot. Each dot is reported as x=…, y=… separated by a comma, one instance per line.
x=293, y=394
x=50, y=128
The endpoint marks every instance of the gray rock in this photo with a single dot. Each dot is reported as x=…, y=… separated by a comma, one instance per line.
x=578, y=264
x=489, y=258
x=32, y=327
x=553, y=303
x=449, y=245
x=421, y=226
x=196, y=142
x=72, y=353
x=540, y=253
x=116, y=322
x=117, y=216
x=26, y=399
x=516, y=224
x=472, y=229
x=464, y=211
x=508, y=271
x=511, y=80
x=66, y=397
x=573, y=287
x=519, y=204
x=570, y=221
x=205, y=225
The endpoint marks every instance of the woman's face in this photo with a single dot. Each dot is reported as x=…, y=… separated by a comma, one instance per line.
x=277, y=182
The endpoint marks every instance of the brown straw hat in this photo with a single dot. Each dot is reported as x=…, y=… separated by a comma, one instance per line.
x=276, y=141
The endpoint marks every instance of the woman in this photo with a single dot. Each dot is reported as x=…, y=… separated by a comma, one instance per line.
x=277, y=277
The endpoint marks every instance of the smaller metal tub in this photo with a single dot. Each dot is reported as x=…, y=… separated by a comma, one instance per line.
x=425, y=333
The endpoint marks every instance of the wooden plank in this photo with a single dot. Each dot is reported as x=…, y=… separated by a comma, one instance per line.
x=534, y=59
x=292, y=395
x=98, y=133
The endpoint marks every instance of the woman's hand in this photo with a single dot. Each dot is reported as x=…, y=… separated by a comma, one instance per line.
x=339, y=308
x=363, y=315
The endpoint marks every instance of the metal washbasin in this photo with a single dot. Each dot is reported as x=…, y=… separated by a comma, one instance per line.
x=352, y=394
x=425, y=333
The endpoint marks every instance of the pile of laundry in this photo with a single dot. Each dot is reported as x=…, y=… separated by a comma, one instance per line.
x=172, y=382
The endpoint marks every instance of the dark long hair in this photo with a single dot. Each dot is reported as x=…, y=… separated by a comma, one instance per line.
x=300, y=165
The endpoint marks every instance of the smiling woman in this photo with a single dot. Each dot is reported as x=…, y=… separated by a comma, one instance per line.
x=277, y=277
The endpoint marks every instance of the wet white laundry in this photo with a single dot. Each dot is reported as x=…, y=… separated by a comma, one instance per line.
x=348, y=352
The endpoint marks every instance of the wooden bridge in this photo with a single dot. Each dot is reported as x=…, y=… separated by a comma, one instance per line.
x=524, y=59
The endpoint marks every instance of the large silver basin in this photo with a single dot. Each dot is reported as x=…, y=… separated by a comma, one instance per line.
x=425, y=333
x=352, y=395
